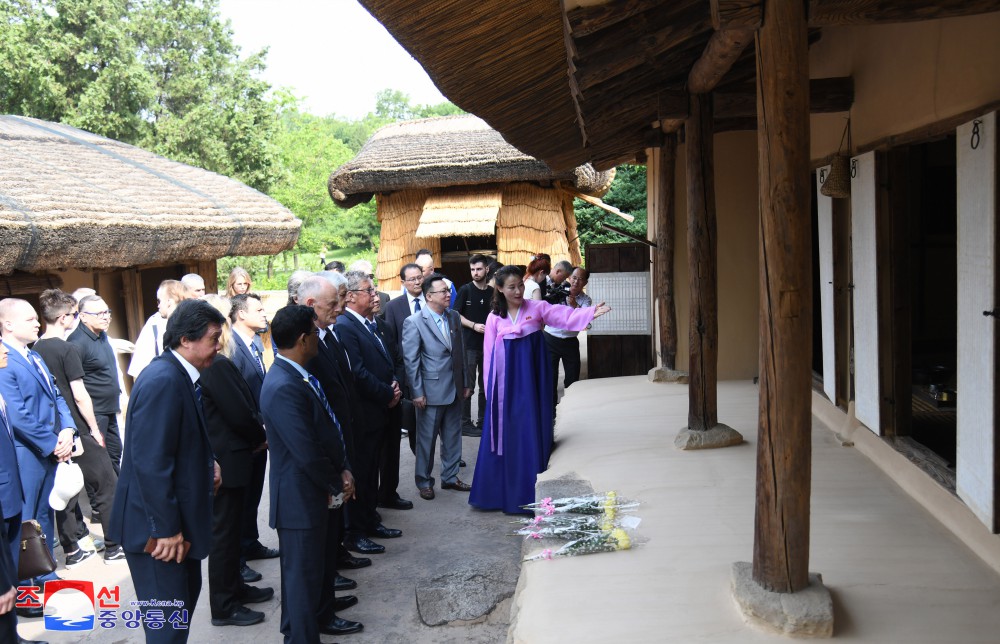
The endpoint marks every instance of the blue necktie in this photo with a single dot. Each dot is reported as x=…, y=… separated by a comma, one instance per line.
x=373, y=327
x=197, y=391
x=37, y=361
x=314, y=383
x=3, y=416
x=416, y=305
x=256, y=357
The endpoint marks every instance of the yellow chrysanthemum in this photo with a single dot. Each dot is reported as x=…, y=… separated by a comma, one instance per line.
x=622, y=542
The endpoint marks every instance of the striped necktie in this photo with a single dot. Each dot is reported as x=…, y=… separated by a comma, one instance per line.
x=3, y=416
x=314, y=383
x=256, y=358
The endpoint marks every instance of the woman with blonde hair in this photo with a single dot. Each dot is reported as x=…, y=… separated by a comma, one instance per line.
x=149, y=344
x=239, y=282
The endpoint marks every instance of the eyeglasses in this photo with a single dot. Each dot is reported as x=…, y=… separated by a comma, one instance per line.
x=75, y=314
x=371, y=276
x=370, y=290
x=99, y=314
x=437, y=292
x=414, y=280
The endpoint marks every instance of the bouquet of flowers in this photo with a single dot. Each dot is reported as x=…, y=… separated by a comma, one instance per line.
x=607, y=504
x=602, y=541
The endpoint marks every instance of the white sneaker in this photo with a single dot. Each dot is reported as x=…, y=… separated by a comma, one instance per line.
x=90, y=544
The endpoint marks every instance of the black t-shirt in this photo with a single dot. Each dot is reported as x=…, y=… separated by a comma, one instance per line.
x=473, y=304
x=63, y=360
x=100, y=371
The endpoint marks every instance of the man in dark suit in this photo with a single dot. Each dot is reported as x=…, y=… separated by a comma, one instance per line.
x=41, y=423
x=162, y=514
x=332, y=367
x=310, y=479
x=438, y=381
x=379, y=392
x=247, y=318
x=236, y=432
x=11, y=499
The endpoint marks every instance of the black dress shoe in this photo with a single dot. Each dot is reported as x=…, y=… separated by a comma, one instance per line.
x=34, y=611
x=346, y=601
x=364, y=545
x=349, y=562
x=341, y=584
x=241, y=616
x=384, y=532
x=250, y=575
x=260, y=551
x=461, y=463
x=21, y=640
x=397, y=504
x=254, y=594
x=338, y=626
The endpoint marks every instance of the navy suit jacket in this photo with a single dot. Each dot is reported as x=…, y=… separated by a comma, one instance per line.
x=36, y=412
x=307, y=455
x=373, y=371
x=11, y=494
x=331, y=366
x=165, y=485
x=247, y=365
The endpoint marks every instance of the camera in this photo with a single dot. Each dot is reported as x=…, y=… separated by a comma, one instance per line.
x=558, y=294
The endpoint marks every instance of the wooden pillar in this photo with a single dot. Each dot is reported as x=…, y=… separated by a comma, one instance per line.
x=781, y=526
x=666, y=224
x=703, y=331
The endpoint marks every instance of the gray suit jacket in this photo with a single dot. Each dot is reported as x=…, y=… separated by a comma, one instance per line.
x=433, y=368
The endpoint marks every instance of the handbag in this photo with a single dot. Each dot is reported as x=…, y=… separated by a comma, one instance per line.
x=35, y=558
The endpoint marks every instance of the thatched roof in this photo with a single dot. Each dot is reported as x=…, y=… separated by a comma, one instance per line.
x=72, y=199
x=445, y=151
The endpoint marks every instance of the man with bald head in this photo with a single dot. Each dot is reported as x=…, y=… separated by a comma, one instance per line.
x=40, y=421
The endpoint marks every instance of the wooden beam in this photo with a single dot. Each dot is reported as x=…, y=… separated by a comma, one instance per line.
x=663, y=256
x=723, y=49
x=835, y=13
x=632, y=51
x=784, y=465
x=574, y=89
x=736, y=14
x=584, y=21
x=703, y=329
x=826, y=95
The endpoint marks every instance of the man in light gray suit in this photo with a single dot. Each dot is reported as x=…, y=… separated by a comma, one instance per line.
x=435, y=368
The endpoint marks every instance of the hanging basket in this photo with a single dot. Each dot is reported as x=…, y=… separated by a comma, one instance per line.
x=838, y=182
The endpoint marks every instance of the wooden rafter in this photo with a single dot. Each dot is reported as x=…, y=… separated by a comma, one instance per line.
x=584, y=21
x=723, y=50
x=835, y=13
x=736, y=14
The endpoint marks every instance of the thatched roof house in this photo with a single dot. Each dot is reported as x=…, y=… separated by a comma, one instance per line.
x=94, y=210
x=455, y=186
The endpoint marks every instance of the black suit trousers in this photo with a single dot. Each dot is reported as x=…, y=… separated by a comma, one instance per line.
x=224, y=581
x=251, y=500
x=388, y=461
x=100, y=479
x=365, y=467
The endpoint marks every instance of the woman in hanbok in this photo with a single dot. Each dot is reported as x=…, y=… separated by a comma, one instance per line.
x=518, y=427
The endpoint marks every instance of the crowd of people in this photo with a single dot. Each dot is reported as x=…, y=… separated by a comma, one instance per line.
x=324, y=390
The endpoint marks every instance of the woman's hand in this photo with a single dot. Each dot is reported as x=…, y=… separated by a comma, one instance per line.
x=602, y=308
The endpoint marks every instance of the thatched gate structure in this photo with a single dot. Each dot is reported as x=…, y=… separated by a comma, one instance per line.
x=454, y=186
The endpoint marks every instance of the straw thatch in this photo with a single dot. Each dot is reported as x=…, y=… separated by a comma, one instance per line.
x=461, y=212
x=399, y=214
x=532, y=220
x=72, y=199
x=445, y=151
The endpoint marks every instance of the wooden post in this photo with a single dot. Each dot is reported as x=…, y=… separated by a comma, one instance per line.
x=703, y=332
x=666, y=215
x=781, y=526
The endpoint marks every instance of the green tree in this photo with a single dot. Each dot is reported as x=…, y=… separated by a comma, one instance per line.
x=628, y=194
x=161, y=74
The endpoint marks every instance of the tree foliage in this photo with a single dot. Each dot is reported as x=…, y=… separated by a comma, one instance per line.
x=628, y=194
x=161, y=74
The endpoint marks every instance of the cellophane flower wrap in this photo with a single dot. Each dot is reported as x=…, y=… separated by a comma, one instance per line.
x=589, y=524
